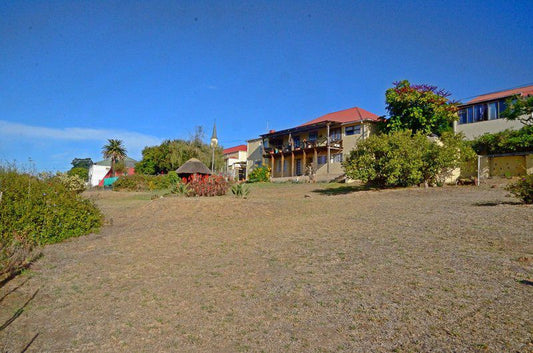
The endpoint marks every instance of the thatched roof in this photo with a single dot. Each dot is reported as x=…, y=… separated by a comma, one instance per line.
x=193, y=166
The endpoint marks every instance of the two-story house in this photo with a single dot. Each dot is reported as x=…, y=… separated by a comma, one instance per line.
x=482, y=114
x=319, y=145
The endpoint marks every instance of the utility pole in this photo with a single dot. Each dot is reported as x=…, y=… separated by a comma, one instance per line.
x=214, y=143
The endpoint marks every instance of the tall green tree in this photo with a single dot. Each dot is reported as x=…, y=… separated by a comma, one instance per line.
x=521, y=109
x=114, y=150
x=419, y=108
x=171, y=154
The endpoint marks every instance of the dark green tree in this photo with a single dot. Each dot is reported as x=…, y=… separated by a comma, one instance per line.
x=82, y=163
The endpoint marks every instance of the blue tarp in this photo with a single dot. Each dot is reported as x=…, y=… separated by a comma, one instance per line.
x=109, y=181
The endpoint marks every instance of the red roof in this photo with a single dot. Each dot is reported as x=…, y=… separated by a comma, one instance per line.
x=235, y=149
x=345, y=116
x=523, y=91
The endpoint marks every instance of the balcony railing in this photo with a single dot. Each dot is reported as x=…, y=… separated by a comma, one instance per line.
x=304, y=145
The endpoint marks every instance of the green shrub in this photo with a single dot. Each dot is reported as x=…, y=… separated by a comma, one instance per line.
x=180, y=188
x=240, y=190
x=42, y=210
x=83, y=173
x=522, y=189
x=507, y=141
x=403, y=159
x=260, y=174
x=135, y=182
x=173, y=177
x=141, y=182
x=71, y=182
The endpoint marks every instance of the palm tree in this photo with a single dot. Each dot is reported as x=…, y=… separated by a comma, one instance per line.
x=115, y=151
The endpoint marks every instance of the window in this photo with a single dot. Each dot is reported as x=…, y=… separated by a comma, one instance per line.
x=482, y=112
x=313, y=136
x=470, y=114
x=335, y=134
x=265, y=143
x=322, y=160
x=462, y=116
x=336, y=158
x=278, y=166
x=352, y=130
x=493, y=110
x=502, y=106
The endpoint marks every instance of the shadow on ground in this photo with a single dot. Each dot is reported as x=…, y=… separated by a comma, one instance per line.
x=526, y=282
x=496, y=203
x=343, y=190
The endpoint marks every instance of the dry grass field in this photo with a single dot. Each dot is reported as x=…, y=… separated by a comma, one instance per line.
x=293, y=268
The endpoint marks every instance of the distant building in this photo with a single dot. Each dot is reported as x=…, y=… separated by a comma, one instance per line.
x=235, y=161
x=101, y=170
x=482, y=114
x=319, y=145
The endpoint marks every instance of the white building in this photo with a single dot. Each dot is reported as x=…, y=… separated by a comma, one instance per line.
x=235, y=162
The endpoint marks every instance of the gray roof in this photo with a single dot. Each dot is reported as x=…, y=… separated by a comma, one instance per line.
x=193, y=166
x=128, y=162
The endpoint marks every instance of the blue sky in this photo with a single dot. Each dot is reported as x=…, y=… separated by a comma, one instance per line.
x=74, y=73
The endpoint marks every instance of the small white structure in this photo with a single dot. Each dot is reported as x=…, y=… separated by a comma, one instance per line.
x=97, y=173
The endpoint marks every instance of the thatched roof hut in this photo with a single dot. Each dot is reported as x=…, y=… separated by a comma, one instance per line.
x=192, y=166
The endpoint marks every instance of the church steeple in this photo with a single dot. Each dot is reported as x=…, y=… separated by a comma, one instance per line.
x=214, y=139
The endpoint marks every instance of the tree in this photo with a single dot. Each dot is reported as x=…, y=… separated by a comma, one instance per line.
x=82, y=163
x=115, y=151
x=419, y=108
x=171, y=154
x=521, y=109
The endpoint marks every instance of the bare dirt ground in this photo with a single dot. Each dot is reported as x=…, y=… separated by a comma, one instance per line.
x=339, y=270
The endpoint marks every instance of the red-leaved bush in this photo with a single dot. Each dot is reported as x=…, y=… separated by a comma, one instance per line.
x=206, y=185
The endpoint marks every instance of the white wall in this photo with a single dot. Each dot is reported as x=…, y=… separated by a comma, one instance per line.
x=479, y=128
x=97, y=173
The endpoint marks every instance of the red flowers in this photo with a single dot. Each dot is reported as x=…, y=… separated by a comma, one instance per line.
x=206, y=185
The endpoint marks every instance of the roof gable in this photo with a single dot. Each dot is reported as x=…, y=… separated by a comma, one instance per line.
x=242, y=148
